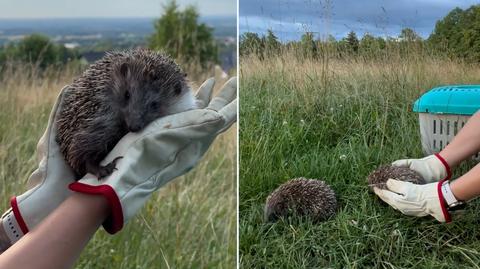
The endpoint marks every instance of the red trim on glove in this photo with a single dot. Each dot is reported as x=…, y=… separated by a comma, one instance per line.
x=447, y=167
x=114, y=221
x=443, y=203
x=18, y=216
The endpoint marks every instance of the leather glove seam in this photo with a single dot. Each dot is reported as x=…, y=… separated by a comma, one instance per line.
x=217, y=119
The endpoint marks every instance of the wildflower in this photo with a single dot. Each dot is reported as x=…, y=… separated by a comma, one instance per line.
x=343, y=157
x=285, y=122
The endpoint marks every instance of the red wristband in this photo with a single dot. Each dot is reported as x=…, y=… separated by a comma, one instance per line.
x=443, y=203
x=18, y=216
x=447, y=167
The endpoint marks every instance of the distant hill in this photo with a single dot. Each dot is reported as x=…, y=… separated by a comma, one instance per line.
x=93, y=36
x=108, y=27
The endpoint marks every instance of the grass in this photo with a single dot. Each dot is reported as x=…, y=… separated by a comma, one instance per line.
x=337, y=121
x=190, y=223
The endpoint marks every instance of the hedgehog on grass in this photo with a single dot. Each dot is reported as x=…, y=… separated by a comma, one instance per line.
x=301, y=197
x=380, y=176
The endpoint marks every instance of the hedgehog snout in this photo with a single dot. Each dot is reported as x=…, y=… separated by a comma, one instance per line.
x=134, y=127
x=134, y=123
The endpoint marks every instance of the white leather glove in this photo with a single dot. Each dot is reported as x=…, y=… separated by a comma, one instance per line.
x=47, y=185
x=432, y=168
x=164, y=150
x=415, y=200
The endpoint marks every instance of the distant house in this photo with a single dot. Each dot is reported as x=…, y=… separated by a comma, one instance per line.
x=71, y=45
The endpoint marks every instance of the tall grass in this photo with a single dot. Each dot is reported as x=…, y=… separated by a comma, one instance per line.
x=337, y=120
x=190, y=223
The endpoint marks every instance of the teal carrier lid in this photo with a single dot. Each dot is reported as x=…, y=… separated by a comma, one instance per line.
x=452, y=99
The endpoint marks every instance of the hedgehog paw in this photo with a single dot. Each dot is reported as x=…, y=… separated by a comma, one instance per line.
x=105, y=171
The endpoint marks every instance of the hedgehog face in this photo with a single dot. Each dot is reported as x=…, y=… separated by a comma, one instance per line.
x=145, y=96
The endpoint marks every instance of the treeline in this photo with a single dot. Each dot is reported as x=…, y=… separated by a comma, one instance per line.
x=178, y=33
x=310, y=47
x=38, y=50
x=455, y=36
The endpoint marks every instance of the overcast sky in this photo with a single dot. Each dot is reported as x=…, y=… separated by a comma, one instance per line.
x=105, y=8
x=290, y=18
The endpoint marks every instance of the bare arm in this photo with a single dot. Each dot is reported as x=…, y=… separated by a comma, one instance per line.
x=467, y=186
x=465, y=144
x=58, y=241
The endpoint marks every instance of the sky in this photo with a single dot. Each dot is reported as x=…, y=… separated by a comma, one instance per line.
x=106, y=8
x=288, y=19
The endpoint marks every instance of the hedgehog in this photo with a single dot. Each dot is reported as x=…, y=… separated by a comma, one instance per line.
x=301, y=197
x=122, y=92
x=379, y=177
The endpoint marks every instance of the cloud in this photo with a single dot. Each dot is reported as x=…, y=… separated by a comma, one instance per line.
x=379, y=17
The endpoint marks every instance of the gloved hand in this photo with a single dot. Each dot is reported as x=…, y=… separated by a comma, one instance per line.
x=432, y=168
x=164, y=150
x=415, y=200
x=47, y=185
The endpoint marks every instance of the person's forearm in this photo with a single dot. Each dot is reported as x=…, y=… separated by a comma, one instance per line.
x=467, y=186
x=465, y=144
x=58, y=241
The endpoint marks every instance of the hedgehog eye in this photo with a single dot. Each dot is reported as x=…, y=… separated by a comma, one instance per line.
x=127, y=95
x=178, y=88
x=153, y=76
x=154, y=105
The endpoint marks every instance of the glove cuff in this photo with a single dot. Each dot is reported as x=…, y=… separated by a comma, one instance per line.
x=13, y=223
x=445, y=164
x=114, y=222
x=18, y=216
x=443, y=203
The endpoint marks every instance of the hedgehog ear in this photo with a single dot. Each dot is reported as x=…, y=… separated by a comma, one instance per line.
x=124, y=69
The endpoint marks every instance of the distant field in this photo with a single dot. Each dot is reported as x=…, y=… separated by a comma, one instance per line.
x=95, y=35
x=337, y=121
x=108, y=27
x=190, y=223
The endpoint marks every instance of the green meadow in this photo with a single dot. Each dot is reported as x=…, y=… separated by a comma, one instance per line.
x=337, y=119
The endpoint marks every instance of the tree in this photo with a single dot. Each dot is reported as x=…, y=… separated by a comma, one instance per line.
x=458, y=34
x=381, y=43
x=39, y=50
x=352, y=41
x=368, y=45
x=272, y=45
x=446, y=32
x=331, y=39
x=36, y=49
x=308, y=45
x=409, y=35
x=179, y=34
x=251, y=43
